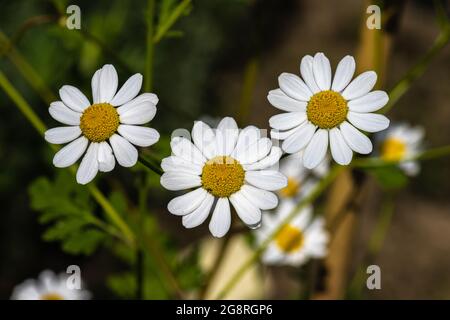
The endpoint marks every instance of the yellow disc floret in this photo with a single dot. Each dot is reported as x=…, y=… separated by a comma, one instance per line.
x=327, y=109
x=290, y=239
x=222, y=176
x=292, y=188
x=52, y=296
x=393, y=149
x=99, y=122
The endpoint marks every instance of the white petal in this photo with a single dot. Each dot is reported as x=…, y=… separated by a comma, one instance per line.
x=144, y=97
x=355, y=139
x=124, y=151
x=370, y=122
x=344, y=73
x=265, y=200
x=139, y=136
x=340, y=151
x=316, y=149
x=136, y=113
x=60, y=112
x=199, y=215
x=281, y=135
x=299, y=139
x=182, y=147
x=221, y=218
x=266, y=179
x=272, y=159
x=108, y=83
x=89, y=165
x=178, y=164
x=227, y=134
x=370, y=102
x=70, y=153
x=187, y=203
x=255, y=151
x=280, y=100
x=294, y=87
x=289, y=120
x=360, y=86
x=95, y=85
x=249, y=135
x=306, y=70
x=322, y=71
x=175, y=181
x=73, y=98
x=129, y=90
x=204, y=139
x=106, y=160
x=61, y=135
x=248, y=212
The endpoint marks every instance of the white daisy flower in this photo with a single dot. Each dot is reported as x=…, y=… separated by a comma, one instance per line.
x=300, y=179
x=223, y=165
x=321, y=110
x=401, y=142
x=49, y=286
x=114, y=117
x=298, y=241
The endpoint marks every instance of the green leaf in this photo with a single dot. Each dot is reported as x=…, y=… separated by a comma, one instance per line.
x=389, y=178
x=67, y=210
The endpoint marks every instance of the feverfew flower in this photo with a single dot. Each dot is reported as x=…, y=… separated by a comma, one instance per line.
x=49, y=286
x=298, y=241
x=113, y=117
x=321, y=110
x=223, y=165
x=300, y=179
x=401, y=142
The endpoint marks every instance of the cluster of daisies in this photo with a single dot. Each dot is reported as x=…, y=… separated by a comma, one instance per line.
x=226, y=167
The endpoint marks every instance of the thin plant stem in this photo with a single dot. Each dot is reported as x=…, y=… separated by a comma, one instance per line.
x=312, y=196
x=374, y=246
x=418, y=69
x=425, y=155
x=164, y=27
x=150, y=18
x=248, y=84
x=27, y=71
x=215, y=266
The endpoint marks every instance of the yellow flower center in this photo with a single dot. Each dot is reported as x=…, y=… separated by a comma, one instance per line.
x=292, y=188
x=290, y=239
x=99, y=122
x=393, y=149
x=222, y=176
x=327, y=109
x=52, y=296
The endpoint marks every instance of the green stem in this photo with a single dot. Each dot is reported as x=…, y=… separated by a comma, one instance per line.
x=150, y=17
x=378, y=162
x=37, y=123
x=27, y=71
x=169, y=22
x=312, y=196
x=20, y=102
x=248, y=84
x=374, y=246
x=419, y=68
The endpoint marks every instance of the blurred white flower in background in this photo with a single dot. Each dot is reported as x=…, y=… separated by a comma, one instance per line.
x=300, y=179
x=48, y=286
x=400, y=142
x=303, y=238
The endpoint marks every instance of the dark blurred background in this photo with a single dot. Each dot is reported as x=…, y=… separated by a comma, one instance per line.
x=199, y=71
